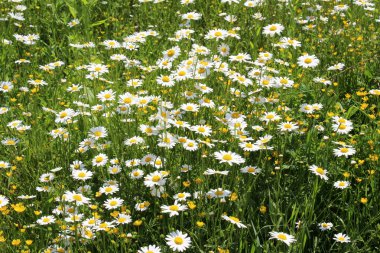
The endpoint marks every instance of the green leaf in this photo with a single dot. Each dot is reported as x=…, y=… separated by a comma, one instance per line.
x=72, y=9
x=353, y=109
x=98, y=23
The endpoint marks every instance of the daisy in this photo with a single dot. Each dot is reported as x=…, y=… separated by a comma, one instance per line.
x=107, y=95
x=270, y=116
x=165, y=80
x=45, y=220
x=114, y=169
x=82, y=175
x=202, y=129
x=156, y=178
x=99, y=160
x=341, y=184
x=241, y=57
x=217, y=34
x=228, y=157
x=209, y=172
x=325, y=226
x=174, y=209
x=308, y=61
x=182, y=196
x=172, y=53
x=190, y=107
x=109, y=189
x=319, y=172
x=98, y=132
x=190, y=145
x=218, y=193
x=342, y=128
x=342, y=238
x=286, y=238
x=344, y=151
x=288, y=127
x=3, y=201
x=191, y=16
x=250, y=169
x=149, y=249
x=123, y=219
x=234, y=220
x=113, y=203
x=248, y=146
x=136, y=174
x=78, y=198
x=273, y=29
x=338, y=66
x=178, y=241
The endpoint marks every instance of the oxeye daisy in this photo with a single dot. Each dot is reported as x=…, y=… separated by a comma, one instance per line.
x=178, y=241
x=3, y=201
x=325, y=226
x=81, y=174
x=99, y=160
x=149, y=249
x=273, y=29
x=109, y=189
x=250, y=170
x=98, y=132
x=174, y=209
x=229, y=157
x=308, y=61
x=319, y=172
x=286, y=238
x=123, y=219
x=344, y=151
x=46, y=220
x=342, y=238
x=341, y=184
x=234, y=220
x=288, y=126
x=113, y=203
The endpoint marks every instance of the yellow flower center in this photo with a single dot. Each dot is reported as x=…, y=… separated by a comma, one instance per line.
x=308, y=60
x=174, y=208
x=282, y=237
x=227, y=157
x=156, y=178
x=178, y=240
x=320, y=171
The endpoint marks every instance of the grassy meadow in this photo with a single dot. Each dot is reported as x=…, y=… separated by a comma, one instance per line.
x=156, y=126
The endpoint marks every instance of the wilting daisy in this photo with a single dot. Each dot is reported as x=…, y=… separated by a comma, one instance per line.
x=308, y=61
x=229, y=157
x=342, y=238
x=338, y=66
x=286, y=238
x=234, y=220
x=319, y=172
x=178, y=241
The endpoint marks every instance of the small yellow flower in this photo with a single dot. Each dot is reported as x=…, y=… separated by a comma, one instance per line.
x=364, y=200
x=137, y=223
x=263, y=209
x=200, y=224
x=16, y=242
x=29, y=242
